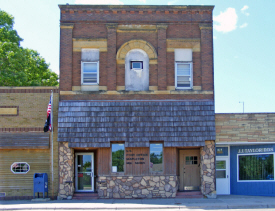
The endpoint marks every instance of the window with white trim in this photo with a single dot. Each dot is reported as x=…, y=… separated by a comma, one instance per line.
x=90, y=66
x=20, y=168
x=183, y=75
x=90, y=73
x=255, y=167
x=183, y=69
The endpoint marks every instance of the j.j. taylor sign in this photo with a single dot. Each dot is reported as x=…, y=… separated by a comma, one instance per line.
x=255, y=150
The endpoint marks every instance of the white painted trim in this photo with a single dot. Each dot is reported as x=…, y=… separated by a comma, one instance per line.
x=267, y=153
x=97, y=80
x=227, y=159
x=243, y=143
x=191, y=75
x=92, y=171
x=20, y=172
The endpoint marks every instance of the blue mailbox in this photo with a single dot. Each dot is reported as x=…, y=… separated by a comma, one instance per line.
x=40, y=184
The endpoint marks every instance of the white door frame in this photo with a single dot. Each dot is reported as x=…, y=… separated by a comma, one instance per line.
x=92, y=171
x=227, y=159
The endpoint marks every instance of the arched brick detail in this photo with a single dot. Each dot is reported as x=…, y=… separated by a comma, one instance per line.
x=136, y=44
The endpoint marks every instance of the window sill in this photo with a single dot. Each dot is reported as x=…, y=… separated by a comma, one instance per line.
x=89, y=87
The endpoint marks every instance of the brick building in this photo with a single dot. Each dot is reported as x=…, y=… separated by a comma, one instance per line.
x=136, y=112
x=24, y=147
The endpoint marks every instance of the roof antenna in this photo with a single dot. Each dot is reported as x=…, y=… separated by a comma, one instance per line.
x=243, y=105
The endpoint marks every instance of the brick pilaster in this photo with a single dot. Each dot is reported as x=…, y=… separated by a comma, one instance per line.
x=66, y=57
x=111, y=56
x=207, y=57
x=162, y=82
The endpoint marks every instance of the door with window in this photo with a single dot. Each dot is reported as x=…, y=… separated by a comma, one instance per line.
x=189, y=170
x=222, y=175
x=84, y=172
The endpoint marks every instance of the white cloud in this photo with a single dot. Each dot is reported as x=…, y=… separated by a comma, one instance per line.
x=101, y=2
x=243, y=10
x=244, y=25
x=226, y=21
x=171, y=2
x=143, y=1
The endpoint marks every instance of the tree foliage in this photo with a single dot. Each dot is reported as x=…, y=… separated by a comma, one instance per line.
x=20, y=66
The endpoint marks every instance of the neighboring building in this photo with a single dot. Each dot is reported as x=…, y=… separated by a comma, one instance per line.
x=136, y=113
x=24, y=147
x=245, y=149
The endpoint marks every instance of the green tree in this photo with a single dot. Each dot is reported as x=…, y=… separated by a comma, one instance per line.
x=20, y=66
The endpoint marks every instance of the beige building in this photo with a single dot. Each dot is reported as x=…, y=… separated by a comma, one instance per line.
x=245, y=151
x=24, y=147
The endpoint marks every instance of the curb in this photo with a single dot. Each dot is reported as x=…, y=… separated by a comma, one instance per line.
x=220, y=206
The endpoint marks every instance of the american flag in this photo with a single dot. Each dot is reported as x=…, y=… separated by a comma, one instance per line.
x=48, y=124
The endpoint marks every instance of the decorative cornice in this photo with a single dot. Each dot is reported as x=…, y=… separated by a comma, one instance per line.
x=206, y=26
x=136, y=7
x=66, y=25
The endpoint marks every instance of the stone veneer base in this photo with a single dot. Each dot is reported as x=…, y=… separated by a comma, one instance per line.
x=121, y=187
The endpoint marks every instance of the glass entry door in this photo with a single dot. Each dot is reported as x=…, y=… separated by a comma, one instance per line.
x=222, y=175
x=84, y=172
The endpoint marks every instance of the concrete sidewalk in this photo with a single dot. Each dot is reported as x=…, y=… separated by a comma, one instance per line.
x=221, y=202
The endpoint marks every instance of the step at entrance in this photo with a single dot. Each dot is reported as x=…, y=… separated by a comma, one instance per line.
x=85, y=196
x=189, y=194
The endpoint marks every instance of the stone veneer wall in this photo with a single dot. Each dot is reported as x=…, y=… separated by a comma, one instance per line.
x=208, y=178
x=137, y=186
x=66, y=171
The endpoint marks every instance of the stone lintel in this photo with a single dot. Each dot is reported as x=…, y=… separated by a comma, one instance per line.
x=111, y=25
x=100, y=44
x=162, y=26
x=173, y=44
x=120, y=91
x=207, y=26
x=66, y=25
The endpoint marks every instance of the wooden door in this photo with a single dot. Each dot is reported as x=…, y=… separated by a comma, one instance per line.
x=190, y=170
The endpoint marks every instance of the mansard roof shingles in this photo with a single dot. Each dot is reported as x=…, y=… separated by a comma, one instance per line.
x=97, y=123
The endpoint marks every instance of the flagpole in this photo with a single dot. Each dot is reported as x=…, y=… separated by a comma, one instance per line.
x=52, y=139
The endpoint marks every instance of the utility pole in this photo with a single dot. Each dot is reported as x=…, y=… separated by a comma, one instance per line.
x=243, y=105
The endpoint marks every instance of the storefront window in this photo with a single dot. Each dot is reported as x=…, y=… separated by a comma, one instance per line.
x=156, y=157
x=256, y=167
x=117, y=157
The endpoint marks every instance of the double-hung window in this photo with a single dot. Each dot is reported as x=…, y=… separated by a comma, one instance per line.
x=183, y=69
x=90, y=67
x=183, y=75
x=90, y=73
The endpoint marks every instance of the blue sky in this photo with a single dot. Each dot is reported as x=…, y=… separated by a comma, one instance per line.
x=244, y=44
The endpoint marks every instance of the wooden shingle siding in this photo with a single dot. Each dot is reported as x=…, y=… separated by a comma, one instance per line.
x=97, y=123
x=29, y=140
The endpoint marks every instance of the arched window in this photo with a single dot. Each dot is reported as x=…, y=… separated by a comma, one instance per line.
x=136, y=70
